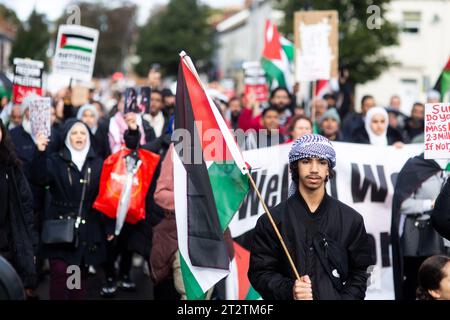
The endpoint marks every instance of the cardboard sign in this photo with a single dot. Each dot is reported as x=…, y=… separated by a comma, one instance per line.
x=40, y=113
x=76, y=47
x=316, y=45
x=27, y=78
x=437, y=131
x=255, y=80
x=80, y=95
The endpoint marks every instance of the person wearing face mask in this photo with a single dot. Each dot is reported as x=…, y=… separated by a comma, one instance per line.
x=18, y=237
x=88, y=113
x=376, y=130
x=65, y=174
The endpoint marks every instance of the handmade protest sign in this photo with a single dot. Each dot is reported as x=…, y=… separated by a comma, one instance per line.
x=316, y=45
x=27, y=78
x=437, y=131
x=40, y=113
x=76, y=47
x=255, y=80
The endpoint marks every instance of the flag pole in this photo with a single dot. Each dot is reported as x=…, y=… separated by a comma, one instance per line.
x=277, y=232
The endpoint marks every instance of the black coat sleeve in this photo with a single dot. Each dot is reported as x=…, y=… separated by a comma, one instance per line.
x=265, y=264
x=440, y=218
x=360, y=259
x=26, y=199
x=40, y=175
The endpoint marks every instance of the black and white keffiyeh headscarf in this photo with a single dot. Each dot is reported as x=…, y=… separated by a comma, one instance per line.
x=311, y=146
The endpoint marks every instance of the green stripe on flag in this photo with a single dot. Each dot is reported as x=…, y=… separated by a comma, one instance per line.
x=77, y=48
x=229, y=187
x=289, y=50
x=252, y=294
x=445, y=84
x=273, y=72
x=191, y=286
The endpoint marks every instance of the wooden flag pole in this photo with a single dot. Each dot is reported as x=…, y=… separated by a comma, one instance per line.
x=286, y=251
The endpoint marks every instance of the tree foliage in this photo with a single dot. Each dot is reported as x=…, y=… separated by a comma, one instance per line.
x=182, y=25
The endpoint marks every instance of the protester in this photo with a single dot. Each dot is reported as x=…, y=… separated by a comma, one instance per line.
x=320, y=107
x=330, y=125
x=413, y=237
x=433, y=96
x=156, y=118
x=233, y=112
x=376, y=130
x=434, y=279
x=269, y=135
x=298, y=126
x=354, y=121
x=15, y=119
x=280, y=98
x=315, y=226
x=65, y=173
x=415, y=125
x=18, y=237
x=169, y=102
x=88, y=113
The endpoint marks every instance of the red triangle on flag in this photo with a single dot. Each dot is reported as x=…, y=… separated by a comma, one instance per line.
x=272, y=45
x=242, y=258
x=63, y=41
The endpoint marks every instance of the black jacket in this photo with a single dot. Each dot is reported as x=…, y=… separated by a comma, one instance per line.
x=20, y=226
x=270, y=273
x=441, y=212
x=360, y=135
x=64, y=180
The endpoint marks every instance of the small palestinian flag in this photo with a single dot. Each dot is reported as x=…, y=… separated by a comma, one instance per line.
x=210, y=183
x=443, y=83
x=71, y=41
x=277, y=58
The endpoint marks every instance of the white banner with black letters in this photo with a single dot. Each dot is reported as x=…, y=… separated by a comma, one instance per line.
x=365, y=179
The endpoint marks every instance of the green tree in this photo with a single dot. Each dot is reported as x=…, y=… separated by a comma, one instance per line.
x=32, y=39
x=117, y=28
x=360, y=48
x=182, y=25
x=10, y=16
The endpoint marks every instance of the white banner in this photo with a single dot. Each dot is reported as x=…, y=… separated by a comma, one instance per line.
x=365, y=179
x=76, y=47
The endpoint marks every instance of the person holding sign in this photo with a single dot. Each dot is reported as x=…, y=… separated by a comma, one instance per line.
x=326, y=238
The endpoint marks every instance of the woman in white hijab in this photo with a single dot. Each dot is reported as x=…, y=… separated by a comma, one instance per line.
x=88, y=113
x=376, y=130
x=66, y=173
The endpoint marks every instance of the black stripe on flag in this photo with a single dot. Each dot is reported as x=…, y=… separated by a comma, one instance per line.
x=71, y=35
x=206, y=244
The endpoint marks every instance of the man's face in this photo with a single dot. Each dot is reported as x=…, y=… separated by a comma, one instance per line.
x=330, y=127
x=235, y=107
x=418, y=112
x=320, y=108
x=368, y=103
x=154, y=78
x=395, y=103
x=393, y=121
x=169, y=101
x=312, y=173
x=156, y=103
x=271, y=120
x=281, y=99
x=16, y=115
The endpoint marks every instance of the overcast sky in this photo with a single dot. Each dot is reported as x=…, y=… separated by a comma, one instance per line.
x=53, y=9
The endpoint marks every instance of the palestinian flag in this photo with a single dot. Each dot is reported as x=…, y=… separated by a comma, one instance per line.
x=77, y=42
x=277, y=58
x=238, y=285
x=210, y=183
x=443, y=83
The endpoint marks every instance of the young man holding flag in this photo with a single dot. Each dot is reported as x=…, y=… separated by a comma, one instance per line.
x=326, y=239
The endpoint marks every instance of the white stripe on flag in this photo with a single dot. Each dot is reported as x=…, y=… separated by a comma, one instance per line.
x=79, y=43
x=206, y=277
